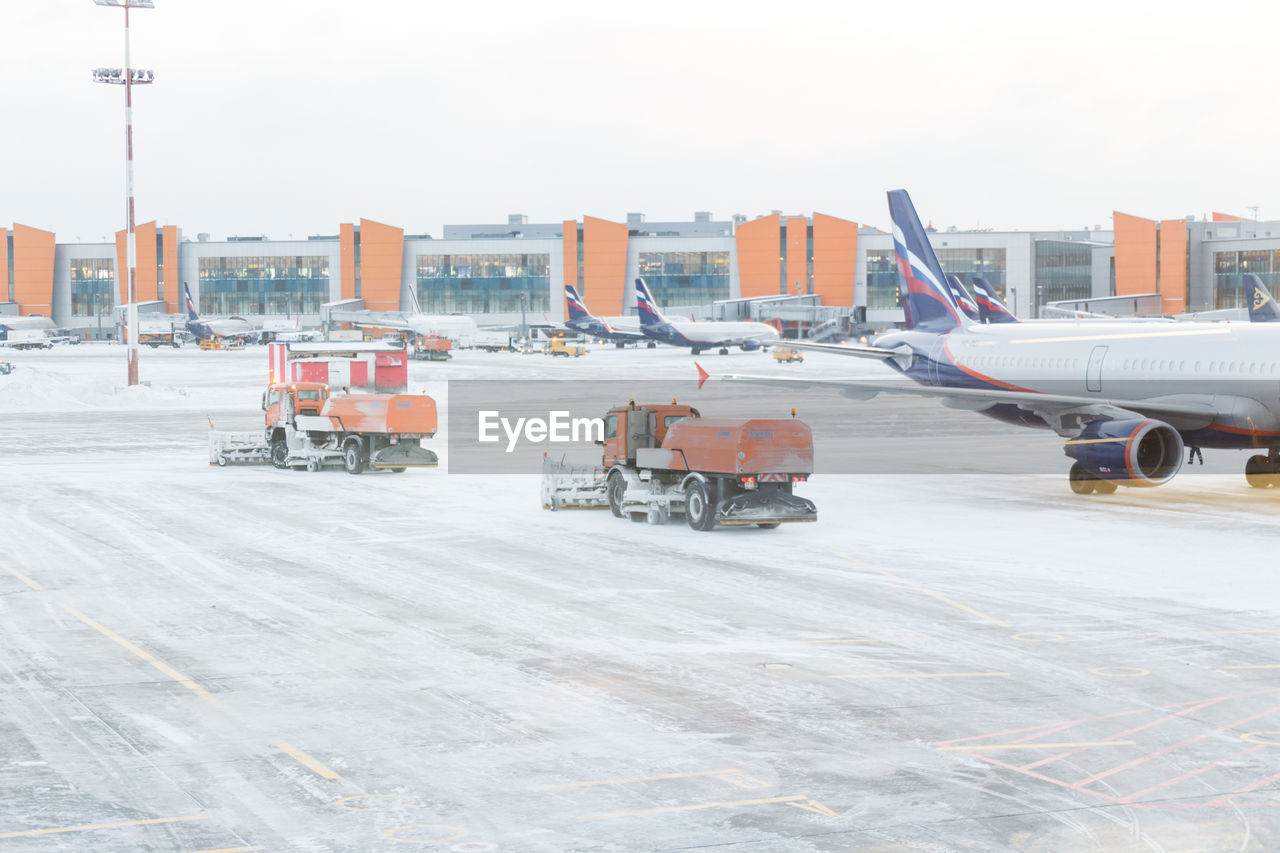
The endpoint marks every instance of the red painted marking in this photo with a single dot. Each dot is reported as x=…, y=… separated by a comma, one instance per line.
x=1176, y=779
x=1255, y=786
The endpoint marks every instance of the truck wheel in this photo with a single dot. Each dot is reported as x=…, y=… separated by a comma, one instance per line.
x=615, y=490
x=698, y=510
x=222, y=460
x=279, y=453
x=767, y=525
x=353, y=457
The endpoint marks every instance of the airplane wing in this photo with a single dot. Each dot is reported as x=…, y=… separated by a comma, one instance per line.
x=1066, y=414
x=857, y=350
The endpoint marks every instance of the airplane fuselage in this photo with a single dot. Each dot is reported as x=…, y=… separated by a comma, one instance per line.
x=683, y=333
x=1233, y=367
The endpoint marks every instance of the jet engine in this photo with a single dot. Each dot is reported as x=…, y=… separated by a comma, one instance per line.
x=1134, y=452
x=750, y=345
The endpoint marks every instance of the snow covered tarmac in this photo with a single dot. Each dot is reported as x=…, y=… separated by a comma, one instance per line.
x=240, y=659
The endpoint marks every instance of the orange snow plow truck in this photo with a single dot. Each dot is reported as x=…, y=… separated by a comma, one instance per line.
x=306, y=427
x=664, y=460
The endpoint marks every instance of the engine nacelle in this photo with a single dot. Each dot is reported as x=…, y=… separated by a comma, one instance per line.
x=1136, y=452
x=750, y=345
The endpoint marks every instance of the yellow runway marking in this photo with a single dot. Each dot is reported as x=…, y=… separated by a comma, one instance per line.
x=928, y=675
x=695, y=807
x=1083, y=743
x=732, y=771
x=305, y=760
x=20, y=576
x=1256, y=666
x=149, y=658
x=89, y=826
x=939, y=596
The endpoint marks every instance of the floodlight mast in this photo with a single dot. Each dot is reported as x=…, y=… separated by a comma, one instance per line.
x=128, y=78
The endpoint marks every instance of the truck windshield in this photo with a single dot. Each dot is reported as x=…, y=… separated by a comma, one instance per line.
x=309, y=395
x=670, y=419
x=611, y=427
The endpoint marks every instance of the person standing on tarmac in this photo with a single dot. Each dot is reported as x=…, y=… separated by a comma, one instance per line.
x=1195, y=454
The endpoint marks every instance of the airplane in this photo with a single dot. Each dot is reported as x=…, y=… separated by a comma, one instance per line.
x=1262, y=308
x=1125, y=396
x=581, y=320
x=990, y=308
x=25, y=322
x=699, y=336
x=231, y=327
x=962, y=298
x=458, y=328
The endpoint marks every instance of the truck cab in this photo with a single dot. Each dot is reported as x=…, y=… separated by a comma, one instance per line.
x=630, y=427
x=282, y=403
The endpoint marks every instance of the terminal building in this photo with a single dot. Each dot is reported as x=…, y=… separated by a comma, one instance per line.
x=493, y=271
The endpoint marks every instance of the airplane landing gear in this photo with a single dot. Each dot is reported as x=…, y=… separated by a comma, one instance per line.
x=1263, y=471
x=724, y=350
x=1085, y=482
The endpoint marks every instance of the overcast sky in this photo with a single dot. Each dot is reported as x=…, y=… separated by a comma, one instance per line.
x=283, y=117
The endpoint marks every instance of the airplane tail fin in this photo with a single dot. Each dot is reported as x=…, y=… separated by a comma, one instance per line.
x=574, y=305
x=1262, y=307
x=192, y=316
x=649, y=313
x=989, y=304
x=926, y=297
x=963, y=300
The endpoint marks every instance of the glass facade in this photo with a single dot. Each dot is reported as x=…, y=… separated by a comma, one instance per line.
x=882, y=279
x=1064, y=270
x=1230, y=268
x=686, y=278
x=964, y=264
x=483, y=284
x=93, y=286
x=262, y=285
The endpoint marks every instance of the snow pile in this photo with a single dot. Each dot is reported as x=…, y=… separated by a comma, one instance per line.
x=32, y=389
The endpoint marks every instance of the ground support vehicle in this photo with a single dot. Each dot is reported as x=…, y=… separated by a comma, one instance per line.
x=220, y=344
x=433, y=348
x=559, y=346
x=27, y=339
x=665, y=460
x=787, y=355
x=567, y=486
x=158, y=339
x=5, y=368
x=305, y=427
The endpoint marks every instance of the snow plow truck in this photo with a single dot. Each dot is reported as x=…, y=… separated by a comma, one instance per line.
x=665, y=460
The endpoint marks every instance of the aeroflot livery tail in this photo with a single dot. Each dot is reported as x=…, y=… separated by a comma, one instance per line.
x=1125, y=396
x=204, y=329
x=699, y=336
x=582, y=320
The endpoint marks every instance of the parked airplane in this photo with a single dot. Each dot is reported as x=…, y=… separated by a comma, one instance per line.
x=1262, y=308
x=990, y=308
x=963, y=300
x=458, y=328
x=24, y=323
x=1125, y=396
x=699, y=336
x=231, y=327
x=581, y=320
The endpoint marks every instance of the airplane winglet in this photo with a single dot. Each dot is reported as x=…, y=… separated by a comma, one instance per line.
x=703, y=376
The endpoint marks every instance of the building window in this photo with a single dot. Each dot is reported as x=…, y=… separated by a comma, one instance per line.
x=484, y=284
x=264, y=285
x=93, y=286
x=1064, y=271
x=882, y=279
x=685, y=278
x=1230, y=268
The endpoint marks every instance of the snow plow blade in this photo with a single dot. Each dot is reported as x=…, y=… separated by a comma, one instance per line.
x=404, y=455
x=765, y=508
x=566, y=486
x=238, y=448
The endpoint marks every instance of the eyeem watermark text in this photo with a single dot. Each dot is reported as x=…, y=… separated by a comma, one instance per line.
x=558, y=427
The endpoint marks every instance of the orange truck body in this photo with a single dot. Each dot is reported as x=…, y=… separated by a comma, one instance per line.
x=733, y=446
x=405, y=415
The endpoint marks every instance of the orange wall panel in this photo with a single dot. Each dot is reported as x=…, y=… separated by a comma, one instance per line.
x=381, y=263
x=835, y=255
x=604, y=265
x=1173, y=265
x=1135, y=242
x=759, y=264
x=1227, y=217
x=33, y=270
x=4, y=265
x=172, y=285
x=347, y=259
x=797, y=255
x=144, y=236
